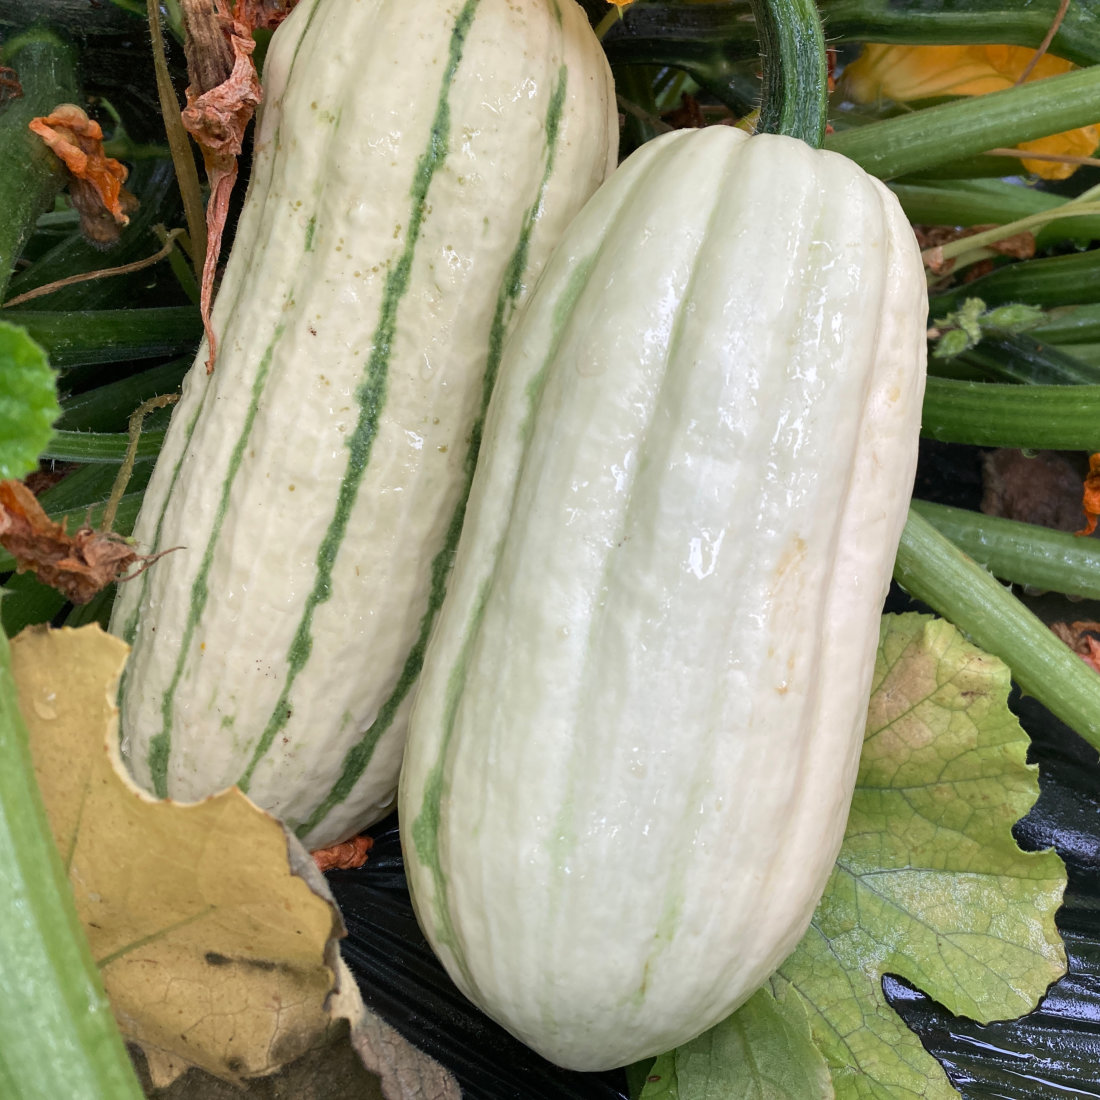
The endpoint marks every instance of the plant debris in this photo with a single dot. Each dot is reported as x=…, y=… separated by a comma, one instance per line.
x=10, y=88
x=1040, y=487
x=96, y=180
x=1091, y=496
x=77, y=565
x=345, y=856
x=222, y=96
x=1081, y=638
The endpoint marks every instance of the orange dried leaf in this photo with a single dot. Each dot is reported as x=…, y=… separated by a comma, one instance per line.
x=96, y=184
x=77, y=565
x=1091, y=496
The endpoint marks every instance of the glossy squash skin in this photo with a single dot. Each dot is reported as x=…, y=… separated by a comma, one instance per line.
x=415, y=162
x=633, y=748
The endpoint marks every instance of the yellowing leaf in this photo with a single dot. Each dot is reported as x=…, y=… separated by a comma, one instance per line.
x=905, y=73
x=214, y=933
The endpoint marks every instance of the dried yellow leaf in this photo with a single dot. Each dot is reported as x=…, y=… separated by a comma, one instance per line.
x=214, y=933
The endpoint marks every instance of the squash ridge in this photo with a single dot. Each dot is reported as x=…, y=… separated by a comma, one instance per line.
x=371, y=396
x=359, y=755
x=160, y=745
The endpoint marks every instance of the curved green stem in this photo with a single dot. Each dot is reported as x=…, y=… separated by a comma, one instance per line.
x=704, y=38
x=1019, y=357
x=1048, y=282
x=931, y=569
x=796, y=87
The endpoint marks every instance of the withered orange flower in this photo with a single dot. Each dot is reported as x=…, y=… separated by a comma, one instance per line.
x=905, y=73
x=1091, y=496
x=77, y=565
x=1081, y=638
x=96, y=184
x=348, y=855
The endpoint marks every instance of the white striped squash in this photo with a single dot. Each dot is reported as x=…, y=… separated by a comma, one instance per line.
x=415, y=162
x=633, y=746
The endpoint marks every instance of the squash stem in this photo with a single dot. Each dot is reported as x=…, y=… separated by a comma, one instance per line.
x=1023, y=553
x=796, y=81
x=1048, y=282
x=74, y=338
x=921, y=140
x=1020, y=357
x=983, y=202
x=996, y=414
x=932, y=569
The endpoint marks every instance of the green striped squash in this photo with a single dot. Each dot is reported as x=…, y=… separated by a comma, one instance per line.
x=634, y=743
x=415, y=163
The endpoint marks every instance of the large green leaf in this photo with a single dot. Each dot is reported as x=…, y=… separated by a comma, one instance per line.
x=28, y=401
x=929, y=885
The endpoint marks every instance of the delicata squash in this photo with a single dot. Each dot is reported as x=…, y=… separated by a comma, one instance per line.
x=634, y=744
x=415, y=162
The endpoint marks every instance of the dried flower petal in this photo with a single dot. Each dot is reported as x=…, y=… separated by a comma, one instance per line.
x=77, y=565
x=96, y=187
x=346, y=856
x=1091, y=496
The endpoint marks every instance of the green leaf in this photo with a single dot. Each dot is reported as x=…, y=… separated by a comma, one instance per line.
x=929, y=885
x=28, y=401
x=764, y=1051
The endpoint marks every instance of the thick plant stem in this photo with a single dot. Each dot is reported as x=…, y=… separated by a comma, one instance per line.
x=932, y=569
x=996, y=414
x=947, y=22
x=1020, y=552
x=31, y=175
x=796, y=87
x=938, y=135
x=58, y=1037
x=74, y=338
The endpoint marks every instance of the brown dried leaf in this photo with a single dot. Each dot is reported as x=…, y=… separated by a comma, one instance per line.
x=77, y=565
x=222, y=96
x=214, y=933
x=96, y=180
x=1042, y=488
x=406, y=1073
x=10, y=88
x=687, y=116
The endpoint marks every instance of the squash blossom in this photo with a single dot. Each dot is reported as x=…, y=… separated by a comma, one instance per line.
x=904, y=73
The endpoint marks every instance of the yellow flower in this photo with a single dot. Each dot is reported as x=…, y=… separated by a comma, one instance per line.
x=904, y=73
